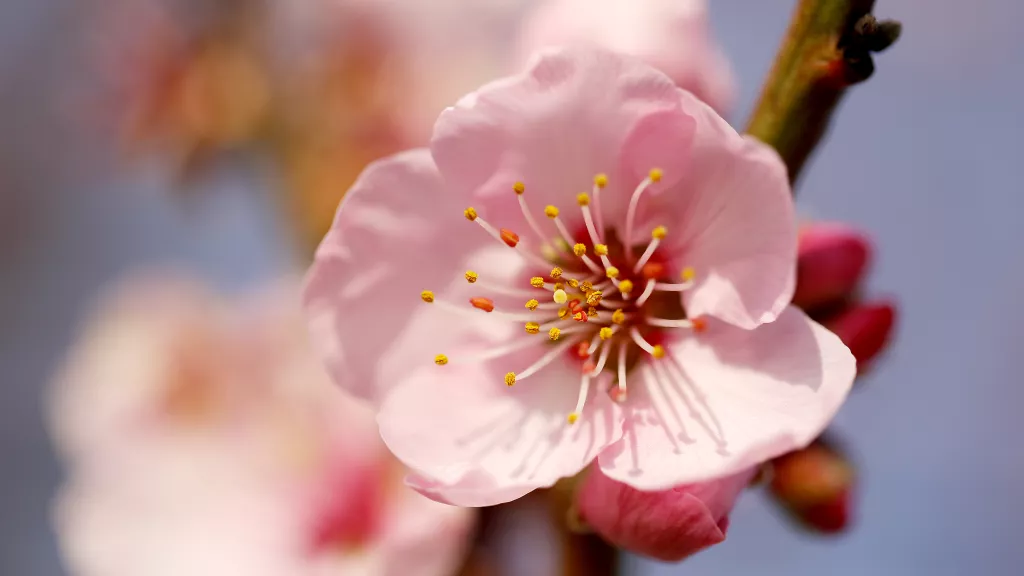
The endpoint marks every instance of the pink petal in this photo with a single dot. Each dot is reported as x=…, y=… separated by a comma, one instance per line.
x=669, y=524
x=734, y=223
x=670, y=35
x=396, y=234
x=744, y=397
x=474, y=441
x=571, y=116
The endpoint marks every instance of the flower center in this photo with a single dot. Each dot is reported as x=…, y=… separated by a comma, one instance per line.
x=599, y=299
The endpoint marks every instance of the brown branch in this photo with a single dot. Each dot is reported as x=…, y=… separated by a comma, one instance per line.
x=826, y=50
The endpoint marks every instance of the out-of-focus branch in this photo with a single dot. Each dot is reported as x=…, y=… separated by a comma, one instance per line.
x=827, y=49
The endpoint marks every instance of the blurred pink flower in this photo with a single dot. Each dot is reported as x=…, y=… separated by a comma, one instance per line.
x=668, y=524
x=671, y=35
x=722, y=374
x=204, y=438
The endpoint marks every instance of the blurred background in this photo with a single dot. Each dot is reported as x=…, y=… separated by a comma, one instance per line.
x=925, y=157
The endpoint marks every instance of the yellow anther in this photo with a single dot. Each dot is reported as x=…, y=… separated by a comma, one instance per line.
x=579, y=249
x=532, y=304
x=594, y=297
x=537, y=282
x=510, y=379
x=470, y=213
x=601, y=180
x=658, y=351
x=626, y=286
x=573, y=417
x=554, y=333
x=592, y=312
x=471, y=276
x=601, y=249
x=655, y=175
x=606, y=333
x=440, y=359
x=556, y=273
x=618, y=316
x=427, y=296
x=586, y=286
x=687, y=274
x=560, y=297
x=583, y=199
x=573, y=283
x=551, y=211
x=563, y=313
x=612, y=272
x=559, y=286
x=519, y=187
x=532, y=328
x=659, y=233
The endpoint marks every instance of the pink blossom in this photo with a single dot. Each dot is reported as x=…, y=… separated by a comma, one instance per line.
x=668, y=524
x=671, y=35
x=205, y=439
x=695, y=367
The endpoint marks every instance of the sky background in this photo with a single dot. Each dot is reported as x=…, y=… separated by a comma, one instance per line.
x=925, y=157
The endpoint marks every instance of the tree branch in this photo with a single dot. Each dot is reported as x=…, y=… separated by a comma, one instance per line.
x=826, y=50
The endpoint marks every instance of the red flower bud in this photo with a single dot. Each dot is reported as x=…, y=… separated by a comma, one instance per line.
x=814, y=485
x=865, y=329
x=831, y=260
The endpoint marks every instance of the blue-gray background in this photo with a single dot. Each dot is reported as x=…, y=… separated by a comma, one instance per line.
x=925, y=156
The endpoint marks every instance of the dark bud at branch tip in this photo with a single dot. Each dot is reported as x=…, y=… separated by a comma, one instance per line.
x=871, y=35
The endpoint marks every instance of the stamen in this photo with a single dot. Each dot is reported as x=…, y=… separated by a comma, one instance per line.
x=537, y=282
x=560, y=296
x=626, y=286
x=471, y=276
x=657, y=235
x=485, y=304
x=601, y=360
x=532, y=304
x=601, y=249
x=606, y=333
x=620, y=391
x=618, y=317
x=440, y=359
x=427, y=296
x=600, y=181
x=519, y=189
x=612, y=272
x=509, y=237
x=634, y=201
x=584, y=392
x=554, y=334
x=541, y=362
x=643, y=343
x=653, y=270
x=584, y=201
x=666, y=323
x=532, y=328
x=556, y=273
x=568, y=240
x=510, y=379
x=648, y=290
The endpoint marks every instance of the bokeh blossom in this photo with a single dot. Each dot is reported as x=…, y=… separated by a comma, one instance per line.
x=673, y=36
x=648, y=327
x=204, y=438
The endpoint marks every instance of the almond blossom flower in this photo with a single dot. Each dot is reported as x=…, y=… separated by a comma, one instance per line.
x=674, y=36
x=509, y=340
x=206, y=440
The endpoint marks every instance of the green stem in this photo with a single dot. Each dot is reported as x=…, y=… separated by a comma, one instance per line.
x=826, y=50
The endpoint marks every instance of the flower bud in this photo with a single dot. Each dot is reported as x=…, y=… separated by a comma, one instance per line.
x=667, y=525
x=865, y=329
x=831, y=259
x=814, y=486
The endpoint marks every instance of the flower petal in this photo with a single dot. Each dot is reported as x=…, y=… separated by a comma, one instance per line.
x=475, y=441
x=732, y=220
x=424, y=538
x=728, y=399
x=668, y=524
x=396, y=234
x=670, y=35
x=571, y=116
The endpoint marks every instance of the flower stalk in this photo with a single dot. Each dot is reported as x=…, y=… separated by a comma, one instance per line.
x=827, y=49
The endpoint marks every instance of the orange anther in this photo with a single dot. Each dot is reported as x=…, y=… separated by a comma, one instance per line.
x=485, y=304
x=509, y=237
